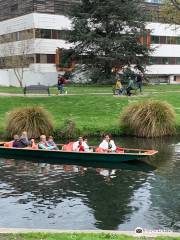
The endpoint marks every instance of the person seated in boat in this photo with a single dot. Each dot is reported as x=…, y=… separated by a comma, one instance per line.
x=86, y=146
x=52, y=143
x=24, y=141
x=108, y=144
x=43, y=144
x=15, y=142
x=80, y=145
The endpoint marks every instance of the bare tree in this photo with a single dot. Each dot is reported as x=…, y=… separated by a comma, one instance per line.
x=17, y=54
x=176, y=3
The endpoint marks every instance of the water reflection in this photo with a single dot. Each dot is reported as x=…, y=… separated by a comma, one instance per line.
x=43, y=195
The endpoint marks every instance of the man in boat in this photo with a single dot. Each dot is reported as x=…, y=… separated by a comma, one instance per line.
x=80, y=145
x=108, y=144
x=43, y=144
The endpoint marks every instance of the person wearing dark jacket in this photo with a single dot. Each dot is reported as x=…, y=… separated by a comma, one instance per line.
x=60, y=84
x=139, y=82
x=23, y=141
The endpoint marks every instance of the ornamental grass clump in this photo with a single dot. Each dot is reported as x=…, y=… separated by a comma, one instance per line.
x=35, y=120
x=149, y=119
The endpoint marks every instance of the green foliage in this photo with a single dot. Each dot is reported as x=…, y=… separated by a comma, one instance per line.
x=66, y=58
x=106, y=34
x=35, y=120
x=170, y=13
x=69, y=129
x=149, y=119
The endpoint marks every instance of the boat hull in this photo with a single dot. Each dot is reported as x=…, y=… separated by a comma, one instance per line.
x=80, y=156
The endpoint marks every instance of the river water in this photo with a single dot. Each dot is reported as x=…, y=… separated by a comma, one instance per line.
x=39, y=195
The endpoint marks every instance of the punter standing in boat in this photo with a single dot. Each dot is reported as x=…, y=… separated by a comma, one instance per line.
x=108, y=144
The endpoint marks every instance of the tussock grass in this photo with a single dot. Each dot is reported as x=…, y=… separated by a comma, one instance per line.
x=151, y=118
x=33, y=119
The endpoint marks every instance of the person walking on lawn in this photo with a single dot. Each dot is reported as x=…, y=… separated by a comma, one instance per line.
x=139, y=78
x=60, y=84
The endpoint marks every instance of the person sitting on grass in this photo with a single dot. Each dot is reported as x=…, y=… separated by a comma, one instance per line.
x=108, y=145
x=43, y=144
x=52, y=143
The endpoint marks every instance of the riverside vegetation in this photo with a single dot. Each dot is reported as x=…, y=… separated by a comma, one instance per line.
x=151, y=118
x=90, y=114
x=79, y=236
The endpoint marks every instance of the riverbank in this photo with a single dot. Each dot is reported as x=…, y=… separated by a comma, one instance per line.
x=91, y=115
x=83, y=235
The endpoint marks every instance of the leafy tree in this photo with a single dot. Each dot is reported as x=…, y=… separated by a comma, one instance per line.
x=106, y=34
x=170, y=11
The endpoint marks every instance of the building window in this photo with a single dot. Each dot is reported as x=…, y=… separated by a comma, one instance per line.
x=162, y=39
x=165, y=61
x=155, y=39
x=45, y=58
x=165, y=40
x=50, y=58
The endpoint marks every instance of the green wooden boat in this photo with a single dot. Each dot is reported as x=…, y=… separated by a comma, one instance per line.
x=125, y=155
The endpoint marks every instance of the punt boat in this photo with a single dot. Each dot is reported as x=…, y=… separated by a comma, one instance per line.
x=124, y=155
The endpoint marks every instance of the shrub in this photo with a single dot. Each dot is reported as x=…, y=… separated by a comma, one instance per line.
x=35, y=120
x=69, y=130
x=149, y=119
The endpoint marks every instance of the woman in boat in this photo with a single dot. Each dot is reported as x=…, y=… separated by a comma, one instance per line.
x=52, y=143
x=86, y=146
x=23, y=140
x=108, y=144
x=80, y=145
x=15, y=142
x=43, y=144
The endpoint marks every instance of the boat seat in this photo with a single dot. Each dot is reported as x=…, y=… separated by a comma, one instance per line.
x=119, y=150
x=68, y=147
x=8, y=144
x=100, y=150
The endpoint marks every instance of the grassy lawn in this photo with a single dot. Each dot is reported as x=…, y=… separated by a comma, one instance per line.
x=46, y=236
x=92, y=113
x=75, y=89
x=70, y=88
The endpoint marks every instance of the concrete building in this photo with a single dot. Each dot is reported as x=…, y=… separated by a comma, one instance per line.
x=36, y=28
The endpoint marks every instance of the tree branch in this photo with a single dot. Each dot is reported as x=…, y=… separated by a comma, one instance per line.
x=176, y=3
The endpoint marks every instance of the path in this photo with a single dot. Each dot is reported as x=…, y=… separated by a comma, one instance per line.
x=83, y=94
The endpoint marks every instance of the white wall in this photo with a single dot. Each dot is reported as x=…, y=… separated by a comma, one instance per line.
x=166, y=50
x=159, y=29
x=39, y=46
x=164, y=69
x=8, y=78
x=4, y=78
x=35, y=20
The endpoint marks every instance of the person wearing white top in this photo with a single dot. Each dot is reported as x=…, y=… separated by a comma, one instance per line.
x=108, y=144
x=80, y=145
